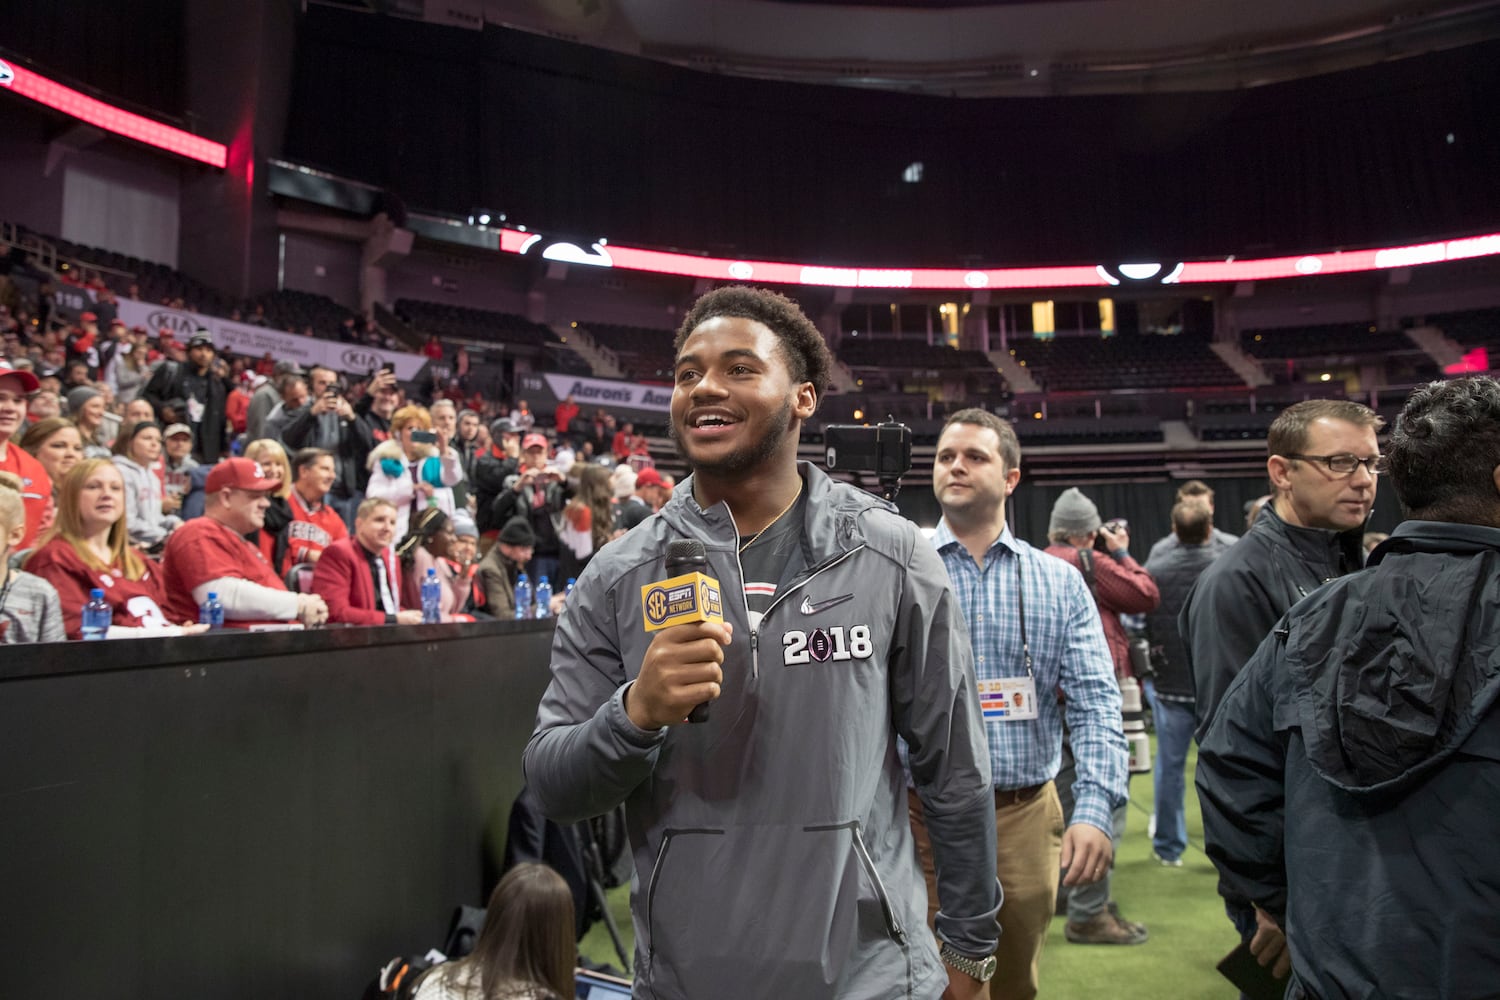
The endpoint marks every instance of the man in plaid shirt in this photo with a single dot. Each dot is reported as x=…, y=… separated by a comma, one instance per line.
x=1035, y=633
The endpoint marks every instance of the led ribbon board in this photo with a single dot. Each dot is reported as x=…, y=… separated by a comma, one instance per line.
x=111, y=119
x=1100, y=275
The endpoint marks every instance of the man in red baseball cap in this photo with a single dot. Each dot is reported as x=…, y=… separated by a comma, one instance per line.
x=16, y=387
x=650, y=493
x=210, y=554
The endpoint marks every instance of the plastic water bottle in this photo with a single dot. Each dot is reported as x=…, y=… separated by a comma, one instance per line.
x=523, y=596
x=568, y=590
x=211, y=612
x=432, y=599
x=96, y=615
x=543, y=598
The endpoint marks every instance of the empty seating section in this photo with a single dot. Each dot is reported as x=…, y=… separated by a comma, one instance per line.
x=1089, y=431
x=644, y=354
x=462, y=323
x=1325, y=341
x=896, y=363
x=1099, y=364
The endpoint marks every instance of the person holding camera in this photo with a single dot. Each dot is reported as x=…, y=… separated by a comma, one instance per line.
x=416, y=469
x=1120, y=585
x=328, y=422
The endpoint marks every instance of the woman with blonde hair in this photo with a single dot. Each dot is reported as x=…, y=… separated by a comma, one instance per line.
x=271, y=539
x=415, y=468
x=89, y=548
x=526, y=950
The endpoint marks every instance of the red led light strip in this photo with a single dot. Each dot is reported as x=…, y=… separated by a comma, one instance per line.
x=110, y=118
x=771, y=272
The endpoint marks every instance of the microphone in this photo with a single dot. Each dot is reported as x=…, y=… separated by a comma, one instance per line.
x=688, y=594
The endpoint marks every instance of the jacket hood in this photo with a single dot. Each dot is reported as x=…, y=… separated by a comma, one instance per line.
x=1392, y=668
x=385, y=449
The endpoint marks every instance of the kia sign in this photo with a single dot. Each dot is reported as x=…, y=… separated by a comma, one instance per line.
x=258, y=341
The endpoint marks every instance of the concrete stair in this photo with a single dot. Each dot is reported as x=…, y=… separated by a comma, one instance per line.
x=1436, y=344
x=600, y=358
x=1243, y=365
x=1019, y=378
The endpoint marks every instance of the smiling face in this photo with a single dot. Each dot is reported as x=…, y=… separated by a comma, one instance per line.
x=101, y=499
x=91, y=413
x=735, y=409
x=12, y=405
x=61, y=452
x=1311, y=495
x=377, y=529
x=316, y=478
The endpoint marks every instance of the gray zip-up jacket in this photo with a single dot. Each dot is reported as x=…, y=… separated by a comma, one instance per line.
x=773, y=844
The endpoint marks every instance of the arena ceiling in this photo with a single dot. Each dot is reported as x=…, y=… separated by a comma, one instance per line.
x=986, y=48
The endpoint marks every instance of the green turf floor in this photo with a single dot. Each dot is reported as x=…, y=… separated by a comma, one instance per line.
x=1180, y=907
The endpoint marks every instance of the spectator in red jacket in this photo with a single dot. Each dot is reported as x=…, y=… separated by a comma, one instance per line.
x=565, y=414
x=359, y=577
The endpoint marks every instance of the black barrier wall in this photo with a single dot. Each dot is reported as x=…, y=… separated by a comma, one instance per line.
x=253, y=816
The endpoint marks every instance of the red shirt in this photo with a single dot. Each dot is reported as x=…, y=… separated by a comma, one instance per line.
x=136, y=603
x=564, y=415
x=203, y=550
x=310, y=531
x=237, y=410
x=36, y=488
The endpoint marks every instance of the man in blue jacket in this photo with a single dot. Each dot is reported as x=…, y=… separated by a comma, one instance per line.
x=773, y=853
x=1351, y=774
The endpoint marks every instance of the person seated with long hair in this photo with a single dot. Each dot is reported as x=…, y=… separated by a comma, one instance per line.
x=429, y=545
x=56, y=443
x=89, y=548
x=526, y=950
x=271, y=538
x=137, y=453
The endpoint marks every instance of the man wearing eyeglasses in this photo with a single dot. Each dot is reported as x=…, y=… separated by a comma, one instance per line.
x=1322, y=461
x=1350, y=777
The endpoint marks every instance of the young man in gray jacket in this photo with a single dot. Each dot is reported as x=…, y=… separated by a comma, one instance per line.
x=773, y=852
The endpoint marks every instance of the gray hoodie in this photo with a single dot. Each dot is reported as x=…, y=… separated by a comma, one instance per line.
x=772, y=844
x=143, y=494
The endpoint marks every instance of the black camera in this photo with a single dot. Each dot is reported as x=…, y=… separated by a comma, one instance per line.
x=883, y=449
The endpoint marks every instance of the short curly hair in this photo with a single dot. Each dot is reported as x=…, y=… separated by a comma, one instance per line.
x=1443, y=453
x=803, y=349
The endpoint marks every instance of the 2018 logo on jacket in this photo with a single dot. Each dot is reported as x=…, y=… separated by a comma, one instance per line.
x=835, y=643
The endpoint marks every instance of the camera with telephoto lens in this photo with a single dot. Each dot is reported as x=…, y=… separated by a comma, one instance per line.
x=882, y=449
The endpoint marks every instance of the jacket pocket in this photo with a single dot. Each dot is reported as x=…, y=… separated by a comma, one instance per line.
x=774, y=910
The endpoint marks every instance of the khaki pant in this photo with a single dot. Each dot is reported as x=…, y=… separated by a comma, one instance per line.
x=1028, y=847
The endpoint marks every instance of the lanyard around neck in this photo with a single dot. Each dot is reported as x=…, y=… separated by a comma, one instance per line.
x=1021, y=616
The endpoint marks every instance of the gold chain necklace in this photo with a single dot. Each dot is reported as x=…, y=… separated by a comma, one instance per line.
x=756, y=537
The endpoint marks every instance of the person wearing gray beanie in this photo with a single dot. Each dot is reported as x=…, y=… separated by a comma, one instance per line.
x=87, y=411
x=78, y=396
x=1072, y=515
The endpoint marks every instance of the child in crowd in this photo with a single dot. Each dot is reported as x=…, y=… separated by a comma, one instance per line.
x=29, y=608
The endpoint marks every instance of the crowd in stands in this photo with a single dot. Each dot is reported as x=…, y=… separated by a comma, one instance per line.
x=163, y=472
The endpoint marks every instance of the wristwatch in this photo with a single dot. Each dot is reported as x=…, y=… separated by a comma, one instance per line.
x=982, y=969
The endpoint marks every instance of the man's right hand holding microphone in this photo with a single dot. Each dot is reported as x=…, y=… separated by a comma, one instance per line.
x=682, y=669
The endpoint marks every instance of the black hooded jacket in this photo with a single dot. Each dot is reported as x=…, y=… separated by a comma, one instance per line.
x=1350, y=781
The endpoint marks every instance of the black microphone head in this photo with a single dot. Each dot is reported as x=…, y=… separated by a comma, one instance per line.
x=684, y=555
